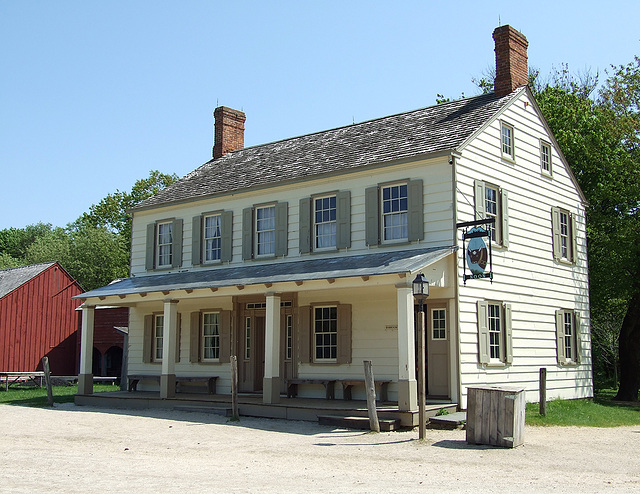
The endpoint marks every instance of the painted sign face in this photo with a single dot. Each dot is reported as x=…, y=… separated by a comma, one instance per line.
x=477, y=253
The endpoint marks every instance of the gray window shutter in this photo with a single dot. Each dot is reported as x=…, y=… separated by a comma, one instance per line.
x=194, y=337
x=577, y=330
x=150, y=260
x=478, y=186
x=555, y=227
x=225, y=336
x=504, y=213
x=415, y=191
x=247, y=233
x=147, y=338
x=372, y=216
x=344, y=334
x=508, y=338
x=574, y=240
x=304, y=225
x=178, y=333
x=176, y=232
x=226, y=249
x=562, y=359
x=282, y=227
x=196, y=240
x=483, y=332
x=343, y=220
x=306, y=333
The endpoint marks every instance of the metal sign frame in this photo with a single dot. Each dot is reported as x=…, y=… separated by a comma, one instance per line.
x=476, y=232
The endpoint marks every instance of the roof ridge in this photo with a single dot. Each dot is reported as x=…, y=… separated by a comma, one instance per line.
x=50, y=263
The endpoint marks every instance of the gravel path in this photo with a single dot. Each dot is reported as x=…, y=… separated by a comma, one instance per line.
x=84, y=449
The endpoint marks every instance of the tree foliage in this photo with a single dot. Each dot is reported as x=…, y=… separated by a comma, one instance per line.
x=94, y=249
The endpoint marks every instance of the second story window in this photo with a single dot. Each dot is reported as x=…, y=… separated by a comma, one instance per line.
x=164, y=247
x=324, y=222
x=395, y=207
x=265, y=230
x=492, y=201
x=212, y=237
x=491, y=195
x=564, y=235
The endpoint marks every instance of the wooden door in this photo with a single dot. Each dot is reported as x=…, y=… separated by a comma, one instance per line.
x=251, y=351
x=437, y=350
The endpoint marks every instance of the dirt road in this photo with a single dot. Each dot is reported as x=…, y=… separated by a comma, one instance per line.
x=82, y=449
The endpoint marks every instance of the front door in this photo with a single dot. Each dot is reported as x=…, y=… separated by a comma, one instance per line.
x=437, y=350
x=251, y=370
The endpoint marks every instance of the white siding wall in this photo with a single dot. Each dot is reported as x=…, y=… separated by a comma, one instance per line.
x=436, y=175
x=525, y=274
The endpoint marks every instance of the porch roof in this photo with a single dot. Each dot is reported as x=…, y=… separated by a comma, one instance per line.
x=380, y=263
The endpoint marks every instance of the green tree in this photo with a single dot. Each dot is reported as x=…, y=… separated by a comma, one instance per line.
x=93, y=256
x=14, y=242
x=112, y=212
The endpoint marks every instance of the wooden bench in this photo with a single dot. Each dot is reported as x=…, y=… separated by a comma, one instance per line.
x=134, y=379
x=329, y=385
x=347, y=384
x=17, y=377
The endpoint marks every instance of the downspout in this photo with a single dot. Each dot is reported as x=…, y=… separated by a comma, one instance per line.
x=456, y=288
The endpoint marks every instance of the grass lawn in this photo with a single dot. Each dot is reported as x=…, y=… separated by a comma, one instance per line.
x=602, y=411
x=37, y=397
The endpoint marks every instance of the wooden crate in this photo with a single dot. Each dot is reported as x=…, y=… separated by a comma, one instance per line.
x=495, y=416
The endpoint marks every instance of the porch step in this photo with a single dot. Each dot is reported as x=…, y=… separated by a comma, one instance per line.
x=358, y=422
x=225, y=412
x=449, y=421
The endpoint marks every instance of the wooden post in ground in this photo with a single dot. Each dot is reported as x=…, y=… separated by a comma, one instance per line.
x=234, y=388
x=370, y=385
x=422, y=387
x=543, y=391
x=47, y=378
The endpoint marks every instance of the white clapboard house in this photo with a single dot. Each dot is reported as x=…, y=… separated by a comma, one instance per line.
x=297, y=257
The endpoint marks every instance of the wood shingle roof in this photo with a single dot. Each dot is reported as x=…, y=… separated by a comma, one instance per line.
x=406, y=135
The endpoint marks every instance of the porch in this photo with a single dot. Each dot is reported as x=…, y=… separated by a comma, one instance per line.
x=252, y=405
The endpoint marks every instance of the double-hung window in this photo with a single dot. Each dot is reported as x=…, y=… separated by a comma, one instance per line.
x=158, y=336
x=212, y=238
x=545, y=158
x=395, y=209
x=324, y=222
x=492, y=201
x=494, y=333
x=507, y=141
x=210, y=336
x=568, y=336
x=394, y=213
x=164, y=244
x=264, y=231
x=564, y=235
x=325, y=329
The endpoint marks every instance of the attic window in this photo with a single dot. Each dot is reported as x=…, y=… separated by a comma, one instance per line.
x=545, y=158
x=506, y=134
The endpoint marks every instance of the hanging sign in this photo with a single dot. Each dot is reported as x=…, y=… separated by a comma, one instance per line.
x=476, y=249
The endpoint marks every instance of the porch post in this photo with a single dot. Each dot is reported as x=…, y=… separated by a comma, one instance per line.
x=169, y=333
x=271, y=383
x=407, y=384
x=85, y=377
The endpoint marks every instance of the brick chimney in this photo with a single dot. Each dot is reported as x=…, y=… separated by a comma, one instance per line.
x=229, y=131
x=511, y=60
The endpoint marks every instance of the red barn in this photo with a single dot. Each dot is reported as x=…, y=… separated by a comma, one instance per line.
x=38, y=318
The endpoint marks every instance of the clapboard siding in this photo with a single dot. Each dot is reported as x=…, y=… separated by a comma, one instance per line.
x=526, y=275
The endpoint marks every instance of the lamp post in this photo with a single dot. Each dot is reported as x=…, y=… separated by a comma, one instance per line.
x=420, y=292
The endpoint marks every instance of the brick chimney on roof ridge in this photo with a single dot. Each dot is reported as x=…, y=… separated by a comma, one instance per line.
x=511, y=60
x=228, y=132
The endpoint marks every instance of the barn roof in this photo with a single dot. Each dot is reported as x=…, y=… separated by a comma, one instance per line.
x=439, y=128
x=13, y=278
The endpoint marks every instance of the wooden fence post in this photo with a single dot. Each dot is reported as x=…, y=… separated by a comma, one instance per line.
x=47, y=378
x=371, y=396
x=543, y=391
x=234, y=388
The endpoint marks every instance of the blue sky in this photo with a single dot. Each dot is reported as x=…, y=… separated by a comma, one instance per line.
x=94, y=95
